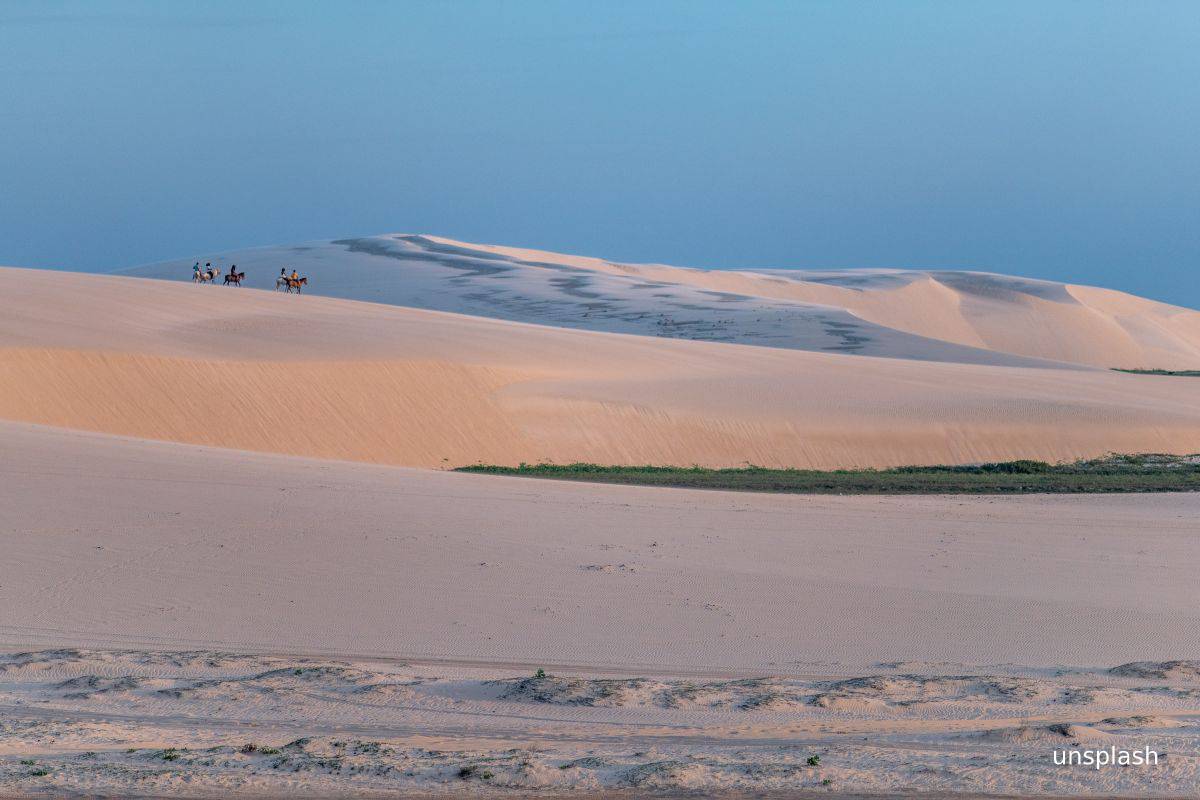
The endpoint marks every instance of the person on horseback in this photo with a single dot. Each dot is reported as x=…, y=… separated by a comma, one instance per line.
x=295, y=275
x=196, y=270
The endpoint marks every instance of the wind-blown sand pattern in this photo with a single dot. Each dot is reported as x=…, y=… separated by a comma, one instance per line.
x=939, y=315
x=226, y=568
x=201, y=723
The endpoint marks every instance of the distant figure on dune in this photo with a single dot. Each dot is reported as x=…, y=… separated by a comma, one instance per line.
x=205, y=275
x=234, y=276
x=290, y=282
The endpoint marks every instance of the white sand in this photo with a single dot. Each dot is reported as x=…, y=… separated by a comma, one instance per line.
x=941, y=315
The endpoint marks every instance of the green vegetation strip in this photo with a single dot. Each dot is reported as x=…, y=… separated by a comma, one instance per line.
x=1179, y=373
x=1118, y=473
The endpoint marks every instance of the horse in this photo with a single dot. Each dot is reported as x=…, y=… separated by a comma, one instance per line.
x=296, y=283
x=205, y=276
x=235, y=278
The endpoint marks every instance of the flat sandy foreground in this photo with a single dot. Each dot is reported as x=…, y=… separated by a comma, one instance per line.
x=194, y=603
x=293, y=626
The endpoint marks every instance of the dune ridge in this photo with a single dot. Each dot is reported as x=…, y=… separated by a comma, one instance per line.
x=941, y=315
x=342, y=379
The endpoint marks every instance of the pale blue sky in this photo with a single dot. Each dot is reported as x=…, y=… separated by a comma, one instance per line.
x=1053, y=139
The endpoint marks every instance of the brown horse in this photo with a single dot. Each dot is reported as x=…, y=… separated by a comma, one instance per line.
x=296, y=283
x=235, y=278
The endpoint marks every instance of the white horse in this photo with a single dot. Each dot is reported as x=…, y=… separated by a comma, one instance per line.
x=205, y=276
x=283, y=282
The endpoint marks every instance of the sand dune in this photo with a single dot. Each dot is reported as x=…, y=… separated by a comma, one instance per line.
x=115, y=540
x=326, y=377
x=940, y=315
x=267, y=623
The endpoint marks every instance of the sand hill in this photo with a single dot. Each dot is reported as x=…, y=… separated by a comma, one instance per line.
x=972, y=317
x=327, y=377
x=266, y=623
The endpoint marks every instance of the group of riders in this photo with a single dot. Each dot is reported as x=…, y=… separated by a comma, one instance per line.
x=209, y=273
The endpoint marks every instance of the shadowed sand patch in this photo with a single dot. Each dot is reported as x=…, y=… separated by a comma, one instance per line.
x=1056, y=734
x=364, y=410
x=1182, y=670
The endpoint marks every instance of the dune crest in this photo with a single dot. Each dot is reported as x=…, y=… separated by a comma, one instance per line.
x=332, y=378
x=937, y=315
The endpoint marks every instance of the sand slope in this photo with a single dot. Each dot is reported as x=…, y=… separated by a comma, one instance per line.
x=325, y=377
x=938, y=315
x=111, y=542
x=292, y=625
x=377, y=628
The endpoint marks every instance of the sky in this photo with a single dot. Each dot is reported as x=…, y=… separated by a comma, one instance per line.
x=1047, y=139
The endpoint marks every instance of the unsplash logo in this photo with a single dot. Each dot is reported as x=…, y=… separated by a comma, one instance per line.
x=1105, y=757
